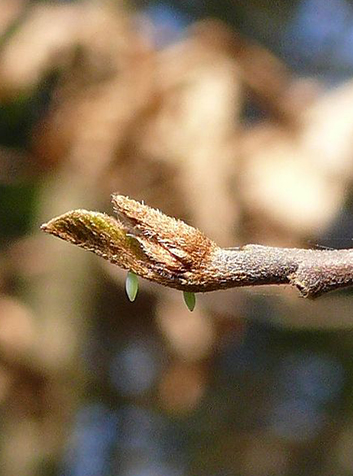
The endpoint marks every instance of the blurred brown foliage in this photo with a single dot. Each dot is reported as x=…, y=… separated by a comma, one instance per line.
x=165, y=126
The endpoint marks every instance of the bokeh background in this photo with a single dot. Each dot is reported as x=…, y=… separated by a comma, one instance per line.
x=235, y=115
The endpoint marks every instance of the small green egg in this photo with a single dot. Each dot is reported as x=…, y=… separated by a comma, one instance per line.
x=190, y=300
x=131, y=286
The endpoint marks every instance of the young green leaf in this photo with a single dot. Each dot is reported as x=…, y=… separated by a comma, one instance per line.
x=131, y=285
x=190, y=300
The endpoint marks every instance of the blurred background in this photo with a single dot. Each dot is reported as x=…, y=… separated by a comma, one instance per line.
x=235, y=115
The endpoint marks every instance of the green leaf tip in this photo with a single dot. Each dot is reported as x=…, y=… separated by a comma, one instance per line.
x=131, y=286
x=190, y=300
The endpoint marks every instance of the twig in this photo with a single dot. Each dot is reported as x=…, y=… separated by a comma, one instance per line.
x=169, y=252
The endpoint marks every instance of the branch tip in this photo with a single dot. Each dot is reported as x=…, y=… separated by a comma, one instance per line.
x=165, y=250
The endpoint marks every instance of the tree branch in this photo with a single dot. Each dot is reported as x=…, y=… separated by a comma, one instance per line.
x=169, y=252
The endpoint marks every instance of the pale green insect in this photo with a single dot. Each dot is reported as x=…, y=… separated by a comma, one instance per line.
x=190, y=300
x=131, y=286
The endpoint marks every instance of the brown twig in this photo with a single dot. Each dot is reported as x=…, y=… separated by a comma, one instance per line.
x=169, y=252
